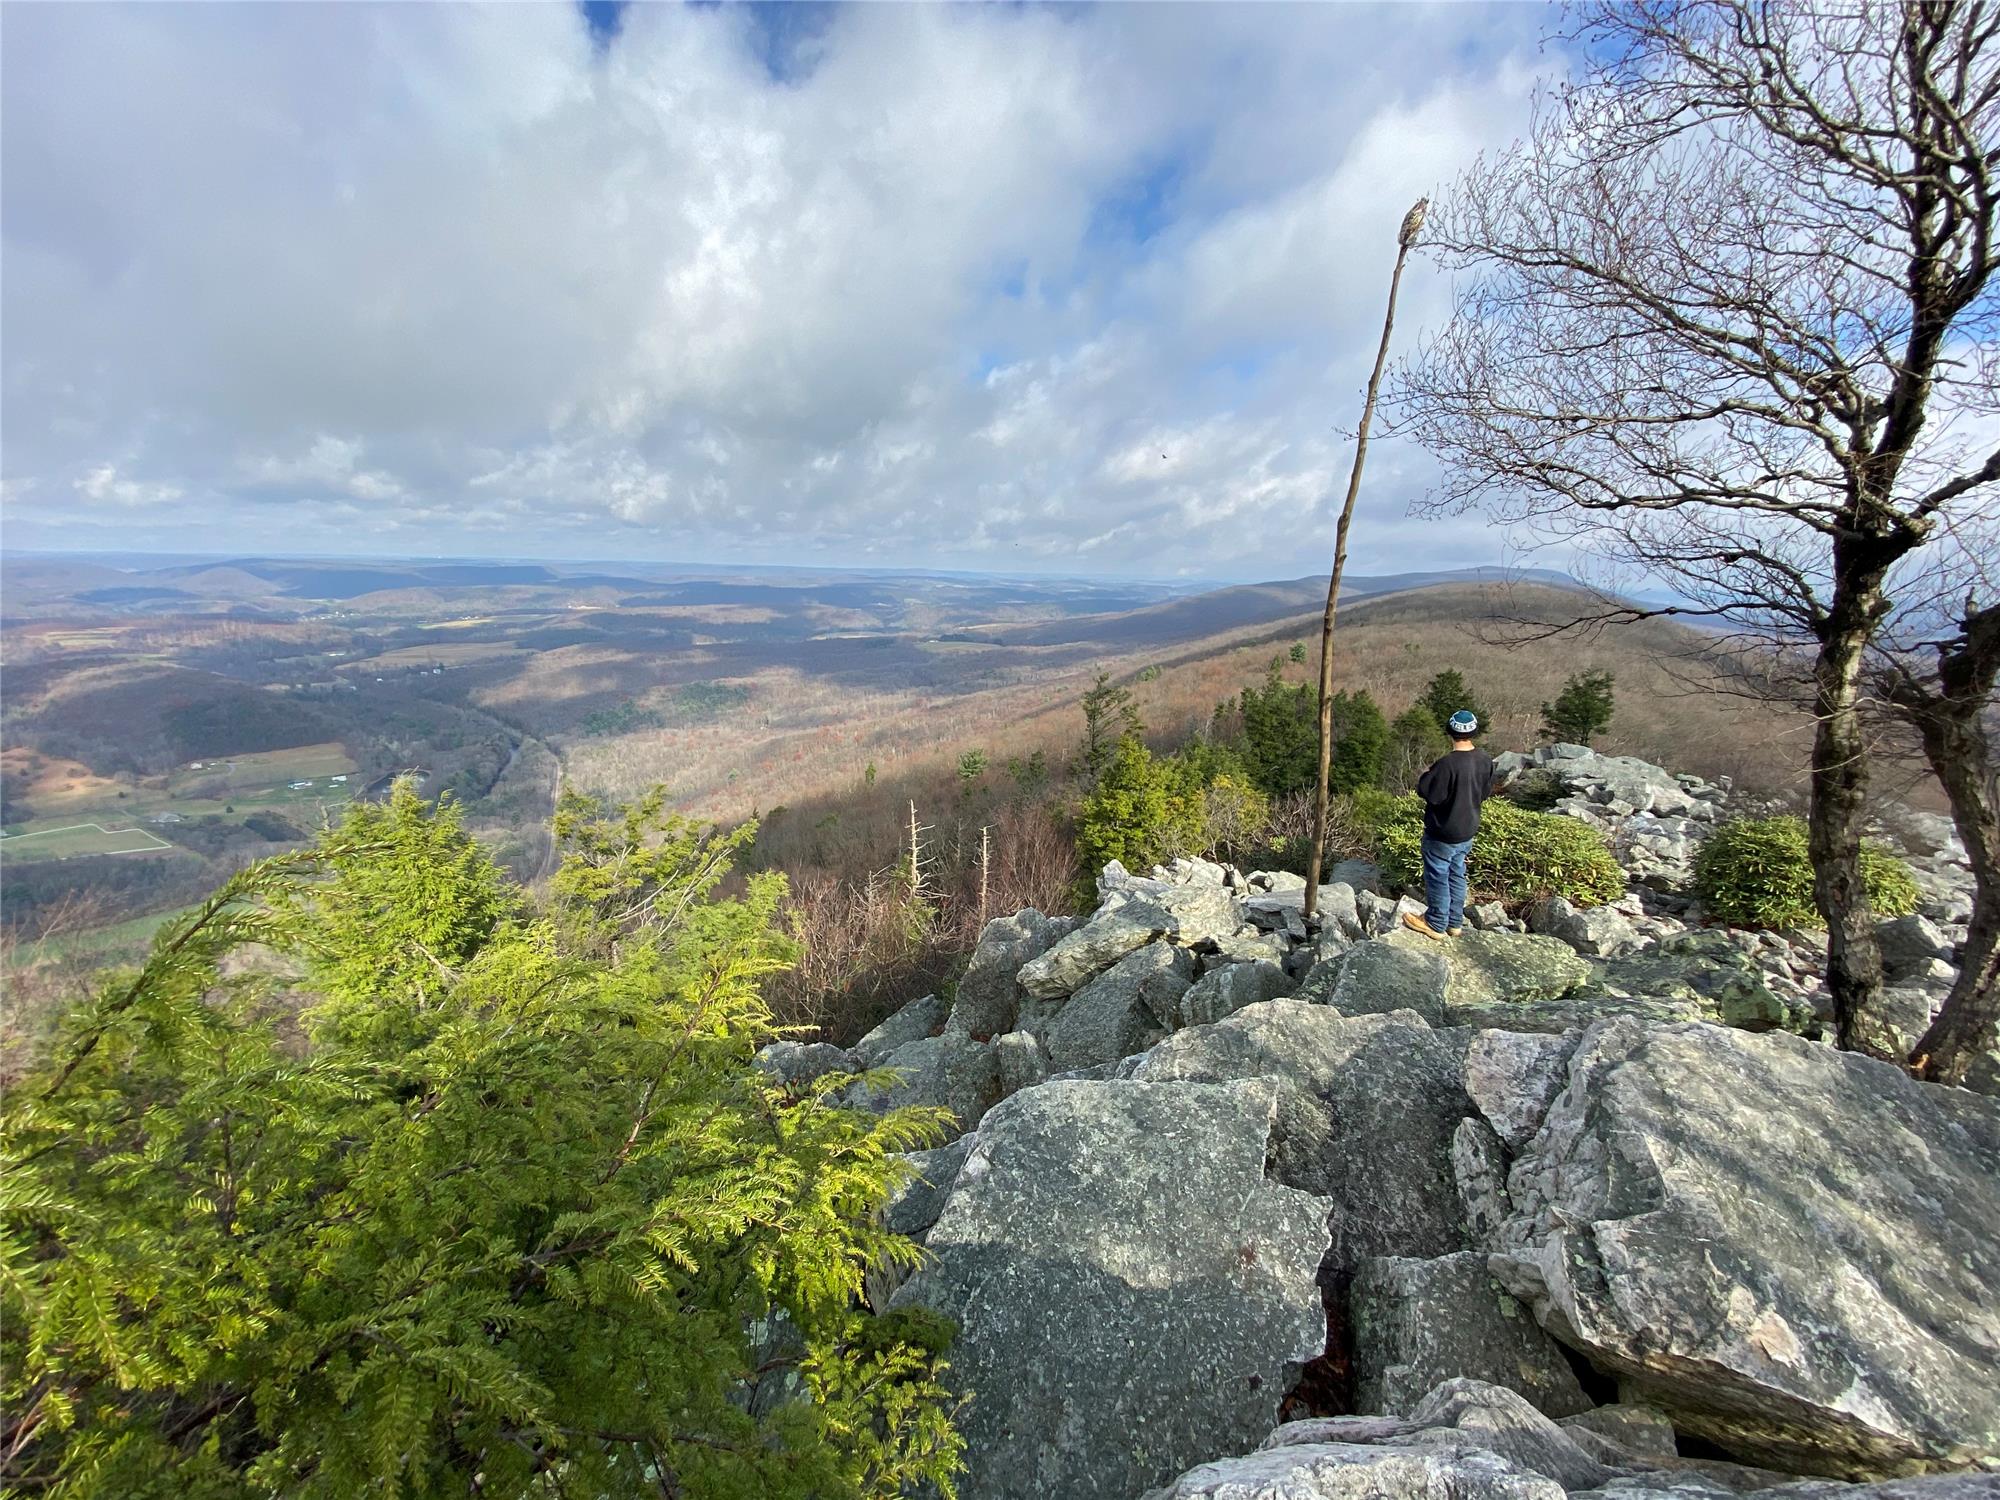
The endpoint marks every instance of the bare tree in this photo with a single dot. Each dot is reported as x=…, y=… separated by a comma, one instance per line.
x=1406, y=236
x=1948, y=706
x=1728, y=325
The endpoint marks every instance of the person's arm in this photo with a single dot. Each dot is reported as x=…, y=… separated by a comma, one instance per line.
x=1427, y=780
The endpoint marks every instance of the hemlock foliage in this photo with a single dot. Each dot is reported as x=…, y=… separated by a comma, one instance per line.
x=377, y=1180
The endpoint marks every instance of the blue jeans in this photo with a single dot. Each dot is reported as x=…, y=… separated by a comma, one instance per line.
x=1444, y=883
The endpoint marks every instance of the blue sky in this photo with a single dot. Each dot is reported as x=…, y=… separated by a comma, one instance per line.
x=1069, y=288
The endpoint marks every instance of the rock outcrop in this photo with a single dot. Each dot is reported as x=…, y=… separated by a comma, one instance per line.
x=1467, y=1440
x=1789, y=1249
x=1503, y=1174
x=1414, y=1324
x=1132, y=1296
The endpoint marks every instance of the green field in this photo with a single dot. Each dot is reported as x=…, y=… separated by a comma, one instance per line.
x=228, y=788
x=62, y=842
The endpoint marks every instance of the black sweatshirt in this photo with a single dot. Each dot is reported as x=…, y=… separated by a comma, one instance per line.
x=1452, y=790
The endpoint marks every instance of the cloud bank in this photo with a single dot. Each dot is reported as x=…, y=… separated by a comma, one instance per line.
x=1012, y=288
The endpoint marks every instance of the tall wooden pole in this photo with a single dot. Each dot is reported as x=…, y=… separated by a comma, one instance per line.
x=1413, y=223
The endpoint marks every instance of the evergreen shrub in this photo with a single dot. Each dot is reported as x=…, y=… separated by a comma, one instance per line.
x=1518, y=855
x=1757, y=872
x=459, y=1196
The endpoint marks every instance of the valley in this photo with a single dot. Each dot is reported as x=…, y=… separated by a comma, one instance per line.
x=165, y=722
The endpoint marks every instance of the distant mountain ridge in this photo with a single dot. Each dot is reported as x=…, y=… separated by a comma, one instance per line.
x=1234, y=608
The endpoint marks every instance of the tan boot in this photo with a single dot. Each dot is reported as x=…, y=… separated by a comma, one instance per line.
x=1420, y=924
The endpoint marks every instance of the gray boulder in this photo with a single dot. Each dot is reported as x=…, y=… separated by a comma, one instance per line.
x=1378, y=977
x=796, y=1064
x=1132, y=1296
x=1224, y=991
x=1791, y=1250
x=1244, y=948
x=1351, y=1471
x=1024, y=1062
x=1493, y=967
x=1203, y=913
x=1122, y=1011
x=1625, y=1432
x=913, y=1207
x=1595, y=931
x=1366, y=1112
x=1708, y=973
x=1512, y=1077
x=1415, y=1324
x=1464, y=1441
x=922, y=1017
x=1282, y=909
x=1360, y=874
x=1574, y=1012
x=989, y=998
x=1122, y=924
x=951, y=1069
x=1479, y=1172
x=1910, y=944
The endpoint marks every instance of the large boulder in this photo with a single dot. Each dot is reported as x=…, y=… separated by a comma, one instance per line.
x=988, y=999
x=1495, y=967
x=1132, y=1296
x=1414, y=1324
x=922, y=1017
x=1791, y=1249
x=1709, y=972
x=1466, y=1440
x=1512, y=1077
x=1574, y=1012
x=950, y=1069
x=1471, y=1441
x=1597, y=931
x=1122, y=1011
x=1378, y=977
x=797, y=1064
x=1124, y=923
x=1224, y=991
x=1910, y=944
x=1366, y=1112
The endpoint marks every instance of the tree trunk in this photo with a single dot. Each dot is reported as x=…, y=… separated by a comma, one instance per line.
x=1320, y=793
x=1952, y=723
x=1969, y=1024
x=1839, y=803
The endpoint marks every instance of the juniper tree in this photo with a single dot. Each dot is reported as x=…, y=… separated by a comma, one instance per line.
x=497, y=1206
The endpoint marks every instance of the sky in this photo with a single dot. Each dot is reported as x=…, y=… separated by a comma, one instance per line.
x=1017, y=288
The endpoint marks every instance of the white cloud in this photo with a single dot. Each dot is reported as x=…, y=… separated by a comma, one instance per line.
x=337, y=276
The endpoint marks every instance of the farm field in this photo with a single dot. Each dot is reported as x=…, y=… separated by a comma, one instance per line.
x=97, y=815
x=63, y=841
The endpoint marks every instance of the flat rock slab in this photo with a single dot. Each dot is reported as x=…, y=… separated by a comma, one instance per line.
x=1490, y=968
x=1793, y=1251
x=1381, y=976
x=1132, y=1296
x=1572, y=1012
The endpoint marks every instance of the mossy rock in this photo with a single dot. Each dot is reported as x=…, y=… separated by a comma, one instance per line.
x=1501, y=968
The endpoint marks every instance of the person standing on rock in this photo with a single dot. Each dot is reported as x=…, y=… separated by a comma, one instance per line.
x=1452, y=790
